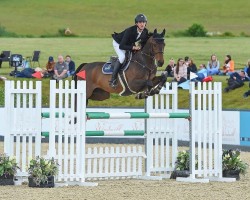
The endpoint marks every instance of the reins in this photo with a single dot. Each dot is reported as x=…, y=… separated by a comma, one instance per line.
x=151, y=55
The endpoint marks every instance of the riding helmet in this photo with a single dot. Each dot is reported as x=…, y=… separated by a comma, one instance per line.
x=140, y=18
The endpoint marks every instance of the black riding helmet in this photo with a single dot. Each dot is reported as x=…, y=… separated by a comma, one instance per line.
x=140, y=18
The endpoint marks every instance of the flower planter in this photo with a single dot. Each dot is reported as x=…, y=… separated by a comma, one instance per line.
x=49, y=184
x=179, y=173
x=232, y=174
x=7, y=180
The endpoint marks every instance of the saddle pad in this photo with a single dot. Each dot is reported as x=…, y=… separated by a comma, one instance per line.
x=107, y=69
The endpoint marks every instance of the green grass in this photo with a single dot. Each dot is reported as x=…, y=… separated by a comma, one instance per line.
x=101, y=18
x=99, y=49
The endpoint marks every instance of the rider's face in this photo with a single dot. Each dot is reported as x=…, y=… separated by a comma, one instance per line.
x=141, y=25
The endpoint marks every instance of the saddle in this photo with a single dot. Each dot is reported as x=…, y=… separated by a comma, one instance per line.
x=108, y=67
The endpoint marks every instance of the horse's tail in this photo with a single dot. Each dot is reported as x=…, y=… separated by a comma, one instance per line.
x=74, y=77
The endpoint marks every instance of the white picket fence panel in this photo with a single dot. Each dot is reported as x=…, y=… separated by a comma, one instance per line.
x=69, y=149
x=206, y=126
x=22, y=122
x=161, y=138
x=114, y=162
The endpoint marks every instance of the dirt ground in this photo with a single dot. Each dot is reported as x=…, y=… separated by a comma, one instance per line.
x=137, y=189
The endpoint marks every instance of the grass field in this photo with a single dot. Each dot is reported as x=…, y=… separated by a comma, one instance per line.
x=99, y=49
x=101, y=18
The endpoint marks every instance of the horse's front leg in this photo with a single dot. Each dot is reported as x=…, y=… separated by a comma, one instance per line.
x=143, y=86
x=158, y=83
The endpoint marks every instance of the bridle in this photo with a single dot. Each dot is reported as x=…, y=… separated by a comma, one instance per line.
x=151, y=55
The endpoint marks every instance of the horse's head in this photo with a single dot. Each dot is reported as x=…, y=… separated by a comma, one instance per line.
x=157, y=46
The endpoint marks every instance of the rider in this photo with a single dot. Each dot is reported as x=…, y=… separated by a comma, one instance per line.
x=125, y=41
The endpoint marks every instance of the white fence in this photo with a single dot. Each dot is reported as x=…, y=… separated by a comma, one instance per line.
x=22, y=122
x=161, y=133
x=68, y=126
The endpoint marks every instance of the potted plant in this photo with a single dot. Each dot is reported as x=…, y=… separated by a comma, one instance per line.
x=232, y=165
x=42, y=172
x=181, y=165
x=8, y=169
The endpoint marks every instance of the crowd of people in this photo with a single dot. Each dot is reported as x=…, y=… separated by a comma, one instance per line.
x=56, y=70
x=185, y=70
x=61, y=69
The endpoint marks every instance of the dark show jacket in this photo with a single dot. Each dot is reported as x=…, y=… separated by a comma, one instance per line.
x=127, y=38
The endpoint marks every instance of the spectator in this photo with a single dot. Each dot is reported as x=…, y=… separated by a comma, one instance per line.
x=202, y=73
x=169, y=69
x=247, y=69
x=60, y=69
x=71, y=65
x=50, y=66
x=236, y=80
x=31, y=73
x=180, y=71
x=191, y=67
x=228, y=66
x=213, y=66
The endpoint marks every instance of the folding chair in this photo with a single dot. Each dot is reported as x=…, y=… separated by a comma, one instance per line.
x=35, y=58
x=6, y=56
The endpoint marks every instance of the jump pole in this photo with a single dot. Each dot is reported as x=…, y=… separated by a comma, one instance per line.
x=132, y=133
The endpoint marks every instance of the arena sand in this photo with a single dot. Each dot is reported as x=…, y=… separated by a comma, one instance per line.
x=136, y=189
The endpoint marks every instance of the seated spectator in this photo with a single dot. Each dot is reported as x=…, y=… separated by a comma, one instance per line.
x=30, y=73
x=213, y=66
x=50, y=66
x=60, y=69
x=247, y=69
x=169, y=69
x=186, y=62
x=180, y=71
x=71, y=65
x=202, y=73
x=228, y=66
x=191, y=67
x=236, y=80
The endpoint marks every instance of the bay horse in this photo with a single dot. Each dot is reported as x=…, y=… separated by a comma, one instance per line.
x=140, y=76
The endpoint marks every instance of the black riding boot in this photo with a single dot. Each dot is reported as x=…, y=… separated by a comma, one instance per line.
x=113, y=81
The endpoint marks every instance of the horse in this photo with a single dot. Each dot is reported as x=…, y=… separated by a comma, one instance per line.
x=140, y=76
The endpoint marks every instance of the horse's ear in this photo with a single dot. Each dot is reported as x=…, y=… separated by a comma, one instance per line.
x=155, y=31
x=163, y=32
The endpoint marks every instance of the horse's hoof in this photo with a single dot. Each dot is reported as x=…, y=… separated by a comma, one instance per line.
x=141, y=96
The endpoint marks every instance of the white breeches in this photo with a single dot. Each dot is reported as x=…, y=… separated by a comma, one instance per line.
x=120, y=53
